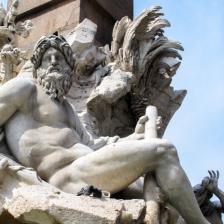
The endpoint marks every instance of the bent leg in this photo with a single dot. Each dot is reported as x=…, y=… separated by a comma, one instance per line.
x=115, y=166
x=176, y=186
x=111, y=168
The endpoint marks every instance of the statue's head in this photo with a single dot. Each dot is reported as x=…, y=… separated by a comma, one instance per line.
x=54, y=64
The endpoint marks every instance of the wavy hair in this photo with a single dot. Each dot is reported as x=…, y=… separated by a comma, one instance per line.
x=55, y=41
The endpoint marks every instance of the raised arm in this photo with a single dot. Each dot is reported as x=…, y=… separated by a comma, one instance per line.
x=212, y=186
x=13, y=96
x=220, y=195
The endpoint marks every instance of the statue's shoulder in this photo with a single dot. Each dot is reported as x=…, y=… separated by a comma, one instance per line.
x=24, y=82
x=20, y=87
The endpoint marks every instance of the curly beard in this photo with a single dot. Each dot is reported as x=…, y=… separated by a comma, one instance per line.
x=56, y=82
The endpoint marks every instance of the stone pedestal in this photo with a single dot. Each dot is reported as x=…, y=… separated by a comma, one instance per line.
x=49, y=16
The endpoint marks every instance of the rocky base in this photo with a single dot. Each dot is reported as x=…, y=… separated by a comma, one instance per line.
x=46, y=205
x=25, y=198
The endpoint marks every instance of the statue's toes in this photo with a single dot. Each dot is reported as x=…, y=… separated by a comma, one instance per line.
x=4, y=163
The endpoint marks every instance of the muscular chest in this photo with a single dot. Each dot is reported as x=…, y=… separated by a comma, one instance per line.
x=48, y=111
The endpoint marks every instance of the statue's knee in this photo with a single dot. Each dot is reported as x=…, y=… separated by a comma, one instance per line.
x=167, y=149
x=172, y=151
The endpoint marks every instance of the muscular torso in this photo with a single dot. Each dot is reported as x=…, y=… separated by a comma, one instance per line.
x=39, y=124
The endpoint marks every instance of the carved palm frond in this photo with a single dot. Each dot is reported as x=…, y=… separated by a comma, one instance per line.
x=153, y=59
x=140, y=27
x=118, y=34
x=143, y=64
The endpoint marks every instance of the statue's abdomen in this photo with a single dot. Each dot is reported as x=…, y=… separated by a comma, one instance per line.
x=24, y=135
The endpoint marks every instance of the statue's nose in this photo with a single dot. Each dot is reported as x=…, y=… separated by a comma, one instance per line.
x=53, y=60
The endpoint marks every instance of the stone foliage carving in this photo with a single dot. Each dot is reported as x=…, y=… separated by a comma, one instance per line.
x=10, y=55
x=10, y=59
x=139, y=51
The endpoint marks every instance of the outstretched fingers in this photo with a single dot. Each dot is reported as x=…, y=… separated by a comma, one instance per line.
x=210, y=173
x=143, y=119
x=140, y=126
x=217, y=174
x=213, y=174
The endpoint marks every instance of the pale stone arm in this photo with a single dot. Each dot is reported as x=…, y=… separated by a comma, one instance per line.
x=102, y=141
x=138, y=134
x=13, y=94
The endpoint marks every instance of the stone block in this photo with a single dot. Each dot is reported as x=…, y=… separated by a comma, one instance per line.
x=49, y=206
x=28, y=5
x=116, y=8
x=83, y=36
x=61, y=15
x=51, y=20
x=104, y=21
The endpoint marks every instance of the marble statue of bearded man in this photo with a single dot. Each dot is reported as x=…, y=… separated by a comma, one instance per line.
x=43, y=131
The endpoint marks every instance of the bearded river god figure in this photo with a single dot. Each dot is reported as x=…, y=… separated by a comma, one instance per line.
x=43, y=131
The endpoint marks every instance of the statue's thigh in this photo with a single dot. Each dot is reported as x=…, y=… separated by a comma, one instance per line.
x=117, y=165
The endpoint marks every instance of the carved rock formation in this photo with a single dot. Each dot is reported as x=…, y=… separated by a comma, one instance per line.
x=139, y=50
x=25, y=198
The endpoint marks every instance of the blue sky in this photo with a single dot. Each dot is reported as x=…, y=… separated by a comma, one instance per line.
x=4, y=2
x=197, y=129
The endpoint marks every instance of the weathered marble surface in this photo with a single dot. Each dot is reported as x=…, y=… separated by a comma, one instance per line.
x=27, y=198
x=138, y=48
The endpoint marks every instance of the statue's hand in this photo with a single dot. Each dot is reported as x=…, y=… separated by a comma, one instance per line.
x=139, y=132
x=212, y=181
x=159, y=123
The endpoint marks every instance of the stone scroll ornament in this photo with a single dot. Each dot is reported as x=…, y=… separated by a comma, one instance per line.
x=10, y=55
